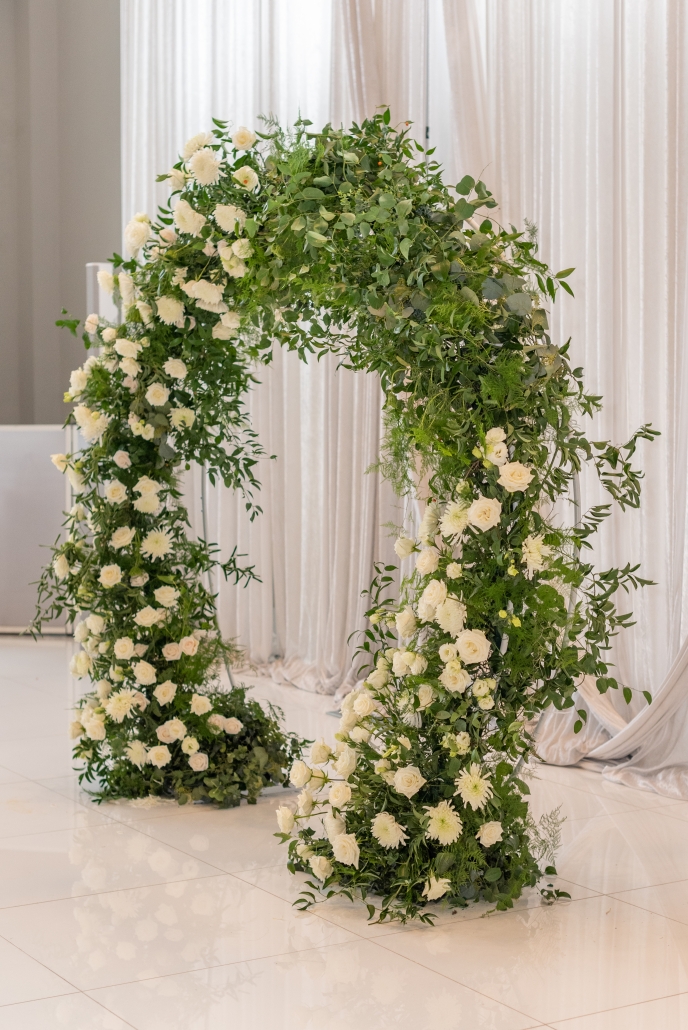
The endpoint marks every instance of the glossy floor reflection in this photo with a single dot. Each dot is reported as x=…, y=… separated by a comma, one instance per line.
x=122, y=916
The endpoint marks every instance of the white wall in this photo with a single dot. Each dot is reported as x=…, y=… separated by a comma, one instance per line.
x=59, y=187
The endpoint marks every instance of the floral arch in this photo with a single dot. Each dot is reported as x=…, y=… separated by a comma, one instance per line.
x=351, y=242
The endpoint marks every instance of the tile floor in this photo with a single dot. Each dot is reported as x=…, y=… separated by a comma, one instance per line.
x=120, y=916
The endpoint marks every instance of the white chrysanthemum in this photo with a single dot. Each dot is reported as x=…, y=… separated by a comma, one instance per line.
x=175, y=368
x=204, y=165
x=455, y=519
x=156, y=544
x=148, y=504
x=106, y=281
x=182, y=418
x=118, y=706
x=243, y=138
x=427, y=561
x=246, y=177
x=170, y=310
x=387, y=831
x=445, y=823
x=127, y=348
x=165, y=692
x=429, y=523
x=137, y=233
x=436, y=887
x=137, y=753
x=229, y=217
x=450, y=616
x=534, y=553
x=60, y=461
x=201, y=139
x=186, y=219
x=473, y=788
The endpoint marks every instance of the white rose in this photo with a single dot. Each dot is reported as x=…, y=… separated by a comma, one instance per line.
x=172, y=652
x=80, y=664
x=186, y=219
x=473, y=646
x=124, y=648
x=359, y=734
x=489, y=833
x=404, y=547
x=285, y=819
x=428, y=561
x=447, y=653
x=321, y=866
x=514, y=476
x=495, y=435
x=109, y=334
x=189, y=645
x=61, y=566
x=408, y=780
x=205, y=166
x=246, y=177
x=122, y=459
x=76, y=480
x=401, y=662
x=164, y=692
x=435, y=593
x=137, y=233
x=128, y=348
x=144, y=673
x=450, y=616
x=157, y=395
x=454, y=678
x=96, y=624
x=115, y=492
x=175, y=368
x=166, y=596
x=334, y=825
x=346, y=850
x=110, y=576
x=122, y=537
x=81, y=632
x=243, y=138
x=485, y=513
x=233, y=725
x=378, y=679
x=300, y=774
x=346, y=763
x=173, y=729
x=127, y=289
x=406, y=623
x=306, y=802
x=320, y=752
x=364, y=705
x=436, y=887
x=425, y=695
x=170, y=310
x=229, y=217
x=103, y=689
x=200, y=704
x=339, y=795
x=418, y=665
x=198, y=761
x=159, y=756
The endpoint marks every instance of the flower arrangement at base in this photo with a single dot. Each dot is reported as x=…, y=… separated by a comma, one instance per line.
x=347, y=241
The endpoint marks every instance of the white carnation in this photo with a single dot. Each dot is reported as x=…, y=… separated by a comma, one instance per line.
x=436, y=887
x=137, y=233
x=106, y=281
x=454, y=678
x=137, y=753
x=450, y=616
x=61, y=566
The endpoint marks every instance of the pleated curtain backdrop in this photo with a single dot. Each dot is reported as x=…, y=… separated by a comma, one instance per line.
x=324, y=519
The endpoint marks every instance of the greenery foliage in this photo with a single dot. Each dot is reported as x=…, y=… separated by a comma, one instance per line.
x=351, y=242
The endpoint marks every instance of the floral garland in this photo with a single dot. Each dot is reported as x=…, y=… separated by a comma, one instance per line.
x=351, y=242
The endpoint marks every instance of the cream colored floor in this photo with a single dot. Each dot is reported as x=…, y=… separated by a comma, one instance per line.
x=163, y=918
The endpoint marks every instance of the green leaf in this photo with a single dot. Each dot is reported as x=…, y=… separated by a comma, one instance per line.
x=465, y=186
x=628, y=695
x=464, y=210
x=566, y=271
x=492, y=875
x=312, y=193
x=467, y=294
x=648, y=696
x=444, y=861
x=404, y=247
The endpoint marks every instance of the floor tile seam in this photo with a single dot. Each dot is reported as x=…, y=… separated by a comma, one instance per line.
x=97, y=1001
x=40, y=963
x=378, y=941
x=649, y=911
x=311, y=910
x=618, y=1008
x=47, y=997
x=113, y=890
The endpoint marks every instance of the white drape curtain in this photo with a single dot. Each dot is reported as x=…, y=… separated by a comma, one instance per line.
x=583, y=119
x=184, y=62
x=574, y=113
